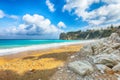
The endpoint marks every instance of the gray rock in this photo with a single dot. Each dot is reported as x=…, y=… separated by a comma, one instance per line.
x=116, y=46
x=109, y=60
x=87, y=49
x=81, y=67
x=118, y=76
x=116, y=68
x=92, y=48
x=103, y=68
x=114, y=37
x=118, y=40
x=108, y=50
x=116, y=52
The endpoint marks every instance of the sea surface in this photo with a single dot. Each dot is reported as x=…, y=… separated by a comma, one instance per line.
x=6, y=44
x=16, y=46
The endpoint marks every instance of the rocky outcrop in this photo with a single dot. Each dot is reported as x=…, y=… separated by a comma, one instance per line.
x=106, y=45
x=81, y=67
x=96, y=61
x=105, y=55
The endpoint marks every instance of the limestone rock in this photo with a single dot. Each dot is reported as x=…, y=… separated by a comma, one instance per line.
x=109, y=60
x=118, y=40
x=116, y=46
x=116, y=68
x=92, y=48
x=87, y=49
x=101, y=67
x=104, y=69
x=116, y=52
x=81, y=67
x=108, y=50
x=118, y=76
x=114, y=37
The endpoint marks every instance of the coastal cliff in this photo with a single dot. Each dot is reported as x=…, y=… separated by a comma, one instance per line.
x=89, y=34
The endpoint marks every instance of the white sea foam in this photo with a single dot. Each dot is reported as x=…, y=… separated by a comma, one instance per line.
x=40, y=47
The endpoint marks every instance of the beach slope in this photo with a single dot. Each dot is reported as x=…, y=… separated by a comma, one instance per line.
x=36, y=64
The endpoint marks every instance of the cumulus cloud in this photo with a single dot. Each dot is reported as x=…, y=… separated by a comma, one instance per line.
x=35, y=26
x=61, y=25
x=13, y=16
x=42, y=24
x=50, y=5
x=105, y=14
x=2, y=15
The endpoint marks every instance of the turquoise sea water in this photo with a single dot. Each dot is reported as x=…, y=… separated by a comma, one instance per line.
x=5, y=44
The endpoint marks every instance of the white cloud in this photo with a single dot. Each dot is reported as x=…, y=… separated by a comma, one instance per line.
x=61, y=25
x=111, y=1
x=40, y=23
x=35, y=26
x=13, y=16
x=50, y=5
x=105, y=14
x=2, y=14
x=90, y=27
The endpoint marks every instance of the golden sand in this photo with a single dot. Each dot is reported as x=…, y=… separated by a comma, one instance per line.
x=35, y=65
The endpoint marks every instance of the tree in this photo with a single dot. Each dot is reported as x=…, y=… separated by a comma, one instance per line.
x=111, y=26
x=118, y=27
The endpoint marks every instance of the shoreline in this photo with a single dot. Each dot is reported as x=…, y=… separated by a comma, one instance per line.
x=4, y=52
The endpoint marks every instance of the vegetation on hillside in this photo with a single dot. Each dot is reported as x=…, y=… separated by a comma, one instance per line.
x=90, y=34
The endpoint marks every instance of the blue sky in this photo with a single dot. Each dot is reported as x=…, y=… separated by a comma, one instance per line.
x=46, y=19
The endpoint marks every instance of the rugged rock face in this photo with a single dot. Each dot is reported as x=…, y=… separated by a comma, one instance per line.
x=100, y=59
x=81, y=67
x=109, y=60
x=89, y=34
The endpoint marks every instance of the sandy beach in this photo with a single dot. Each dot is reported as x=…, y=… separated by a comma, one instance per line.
x=36, y=64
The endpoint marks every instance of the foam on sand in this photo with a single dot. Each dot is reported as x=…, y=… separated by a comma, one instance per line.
x=40, y=47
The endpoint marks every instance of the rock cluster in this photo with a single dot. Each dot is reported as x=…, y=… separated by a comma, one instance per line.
x=102, y=56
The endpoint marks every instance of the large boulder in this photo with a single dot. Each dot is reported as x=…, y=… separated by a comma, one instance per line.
x=109, y=60
x=81, y=67
x=114, y=37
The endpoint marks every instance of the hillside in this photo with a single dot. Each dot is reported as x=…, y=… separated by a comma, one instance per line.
x=89, y=34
